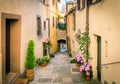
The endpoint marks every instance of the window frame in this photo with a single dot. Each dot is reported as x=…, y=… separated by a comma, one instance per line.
x=39, y=25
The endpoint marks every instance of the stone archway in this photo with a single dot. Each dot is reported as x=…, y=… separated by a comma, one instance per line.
x=62, y=45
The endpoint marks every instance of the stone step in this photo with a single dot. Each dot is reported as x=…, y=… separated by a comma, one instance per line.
x=12, y=77
x=15, y=78
x=21, y=81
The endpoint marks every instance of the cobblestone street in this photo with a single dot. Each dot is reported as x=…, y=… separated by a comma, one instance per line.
x=59, y=71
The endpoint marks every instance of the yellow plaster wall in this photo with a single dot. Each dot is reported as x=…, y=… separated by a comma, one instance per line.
x=53, y=30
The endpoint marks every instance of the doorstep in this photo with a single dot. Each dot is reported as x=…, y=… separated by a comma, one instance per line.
x=21, y=81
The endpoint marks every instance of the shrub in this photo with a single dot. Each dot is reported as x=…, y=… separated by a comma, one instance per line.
x=73, y=61
x=30, y=57
x=38, y=61
x=51, y=55
x=44, y=59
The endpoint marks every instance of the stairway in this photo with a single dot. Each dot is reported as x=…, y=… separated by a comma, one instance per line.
x=16, y=78
x=12, y=77
x=105, y=82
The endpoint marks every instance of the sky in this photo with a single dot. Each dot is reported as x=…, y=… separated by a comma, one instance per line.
x=62, y=5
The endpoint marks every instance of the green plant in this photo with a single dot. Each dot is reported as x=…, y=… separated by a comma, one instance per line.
x=84, y=41
x=51, y=55
x=44, y=59
x=62, y=26
x=73, y=61
x=61, y=23
x=47, y=45
x=38, y=31
x=30, y=57
x=38, y=61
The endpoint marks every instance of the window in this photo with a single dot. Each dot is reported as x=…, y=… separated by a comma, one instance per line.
x=53, y=22
x=95, y=1
x=42, y=1
x=89, y=2
x=74, y=21
x=106, y=48
x=53, y=2
x=83, y=4
x=44, y=25
x=39, y=27
x=80, y=4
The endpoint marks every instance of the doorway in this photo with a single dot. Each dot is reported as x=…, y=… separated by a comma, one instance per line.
x=7, y=46
x=99, y=58
x=11, y=32
x=62, y=45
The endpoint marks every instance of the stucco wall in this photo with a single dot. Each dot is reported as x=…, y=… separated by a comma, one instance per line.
x=104, y=18
x=104, y=21
x=28, y=9
x=61, y=34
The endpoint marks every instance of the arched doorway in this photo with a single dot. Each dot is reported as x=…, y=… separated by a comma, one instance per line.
x=62, y=45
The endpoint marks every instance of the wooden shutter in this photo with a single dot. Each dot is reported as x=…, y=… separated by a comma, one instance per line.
x=78, y=4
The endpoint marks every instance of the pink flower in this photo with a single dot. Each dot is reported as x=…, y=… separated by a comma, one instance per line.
x=87, y=73
x=79, y=59
x=87, y=68
x=82, y=68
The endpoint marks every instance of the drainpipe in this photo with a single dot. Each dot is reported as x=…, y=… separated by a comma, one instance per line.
x=89, y=2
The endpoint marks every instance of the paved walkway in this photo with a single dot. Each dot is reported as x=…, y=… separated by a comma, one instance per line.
x=59, y=71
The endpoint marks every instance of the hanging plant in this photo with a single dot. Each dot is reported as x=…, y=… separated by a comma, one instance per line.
x=84, y=41
x=61, y=23
x=62, y=26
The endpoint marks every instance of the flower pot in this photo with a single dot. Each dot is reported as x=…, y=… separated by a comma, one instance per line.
x=77, y=64
x=30, y=74
x=44, y=64
x=88, y=78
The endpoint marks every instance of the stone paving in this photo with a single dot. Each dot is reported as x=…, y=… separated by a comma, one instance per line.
x=59, y=71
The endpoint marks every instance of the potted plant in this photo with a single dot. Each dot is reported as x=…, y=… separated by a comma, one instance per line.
x=79, y=61
x=44, y=61
x=86, y=70
x=30, y=61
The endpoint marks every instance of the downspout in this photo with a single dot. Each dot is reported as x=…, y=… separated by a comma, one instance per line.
x=87, y=25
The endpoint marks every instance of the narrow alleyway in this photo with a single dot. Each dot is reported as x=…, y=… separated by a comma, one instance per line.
x=59, y=71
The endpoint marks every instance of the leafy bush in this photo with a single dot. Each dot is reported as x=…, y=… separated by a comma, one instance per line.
x=44, y=59
x=73, y=61
x=30, y=57
x=51, y=55
x=38, y=61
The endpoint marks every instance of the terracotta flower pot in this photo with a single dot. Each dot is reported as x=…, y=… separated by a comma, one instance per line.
x=77, y=64
x=44, y=64
x=30, y=74
x=88, y=78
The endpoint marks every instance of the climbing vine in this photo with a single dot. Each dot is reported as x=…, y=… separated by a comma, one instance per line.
x=84, y=40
